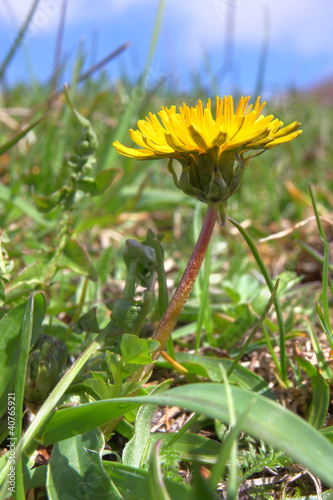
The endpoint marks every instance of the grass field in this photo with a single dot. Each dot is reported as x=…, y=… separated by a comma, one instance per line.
x=241, y=404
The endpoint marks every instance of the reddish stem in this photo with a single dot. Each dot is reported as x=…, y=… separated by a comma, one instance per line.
x=182, y=293
x=178, y=301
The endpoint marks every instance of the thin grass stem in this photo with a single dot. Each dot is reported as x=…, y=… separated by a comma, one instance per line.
x=270, y=284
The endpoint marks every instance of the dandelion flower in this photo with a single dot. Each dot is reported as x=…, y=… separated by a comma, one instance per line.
x=213, y=152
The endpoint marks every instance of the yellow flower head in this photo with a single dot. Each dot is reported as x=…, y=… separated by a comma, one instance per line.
x=212, y=151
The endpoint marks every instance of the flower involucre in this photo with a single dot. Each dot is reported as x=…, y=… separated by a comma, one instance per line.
x=212, y=151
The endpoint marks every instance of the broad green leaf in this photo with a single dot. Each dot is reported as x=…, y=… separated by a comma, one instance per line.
x=102, y=389
x=19, y=387
x=35, y=478
x=135, y=353
x=75, y=469
x=125, y=429
x=243, y=288
x=32, y=276
x=76, y=258
x=192, y=447
x=209, y=367
x=135, y=350
x=87, y=323
x=266, y=420
x=135, y=451
x=10, y=328
x=134, y=483
x=320, y=400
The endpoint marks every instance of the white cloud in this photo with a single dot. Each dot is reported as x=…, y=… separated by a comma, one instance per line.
x=300, y=24
x=47, y=14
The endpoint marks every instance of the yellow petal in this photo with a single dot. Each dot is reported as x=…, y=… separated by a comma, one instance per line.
x=197, y=136
x=175, y=144
x=282, y=139
x=139, y=154
x=192, y=131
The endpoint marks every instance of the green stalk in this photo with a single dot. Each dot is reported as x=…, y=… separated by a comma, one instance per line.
x=163, y=298
x=278, y=309
x=325, y=268
x=270, y=348
x=254, y=330
x=129, y=290
x=61, y=243
x=204, y=313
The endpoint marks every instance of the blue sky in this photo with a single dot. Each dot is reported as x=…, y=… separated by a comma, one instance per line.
x=191, y=41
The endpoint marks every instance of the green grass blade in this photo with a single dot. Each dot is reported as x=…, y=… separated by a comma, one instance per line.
x=269, y=282
x=232, y=487
x=19, y=340
x=201, y=286
x=266, y=420
x=254, y=330
x=320, y=400
x=47, y=407
x=135, y=102
x=134, y=451
x=25, y=341
x=191, y=447
x=314, y=253
x=324, y=325
x=9, y=144
x=18, y=39
x=270, y=348
x=11, y=331
x=323, y=364
x=158, y=490
x=325, y=269
x=210, y=368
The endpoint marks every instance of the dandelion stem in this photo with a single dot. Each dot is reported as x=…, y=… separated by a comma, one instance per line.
x=182, y=293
